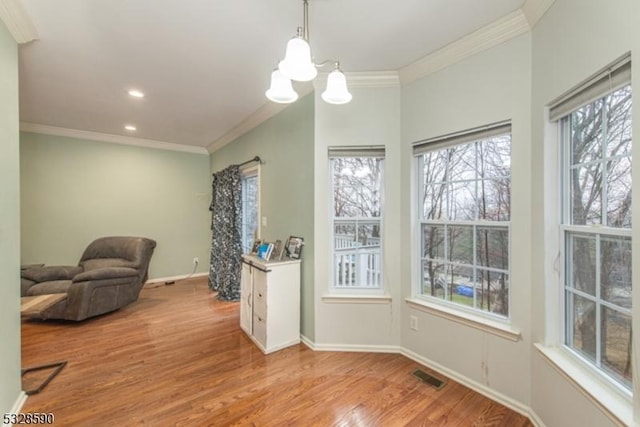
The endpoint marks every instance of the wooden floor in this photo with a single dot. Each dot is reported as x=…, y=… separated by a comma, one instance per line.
x=178, y=357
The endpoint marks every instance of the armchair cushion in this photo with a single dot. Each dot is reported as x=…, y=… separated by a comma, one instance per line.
x=54, y=272
x=50, y=287
x=105, y=273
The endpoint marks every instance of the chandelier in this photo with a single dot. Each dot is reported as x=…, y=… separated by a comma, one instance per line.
x=298, y=65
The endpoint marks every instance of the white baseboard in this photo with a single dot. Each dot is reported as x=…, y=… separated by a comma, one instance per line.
x=17, y=405
x=475, y=386
x=149, y=283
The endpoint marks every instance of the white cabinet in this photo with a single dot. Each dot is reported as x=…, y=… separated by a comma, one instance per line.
x=270, y=302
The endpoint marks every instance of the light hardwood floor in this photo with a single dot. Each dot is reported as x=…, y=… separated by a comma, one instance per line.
x=178, y=357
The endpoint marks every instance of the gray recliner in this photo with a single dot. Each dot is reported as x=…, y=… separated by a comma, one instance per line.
x=110, y=275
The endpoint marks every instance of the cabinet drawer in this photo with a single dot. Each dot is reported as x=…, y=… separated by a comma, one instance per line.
x=260, y=329
x=260, y=303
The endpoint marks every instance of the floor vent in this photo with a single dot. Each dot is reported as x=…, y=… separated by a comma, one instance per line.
x=429, y=379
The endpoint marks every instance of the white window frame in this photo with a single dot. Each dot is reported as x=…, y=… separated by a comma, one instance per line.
x=359, y=288
x=612, y=399
x=497, y=324
x=598, y=231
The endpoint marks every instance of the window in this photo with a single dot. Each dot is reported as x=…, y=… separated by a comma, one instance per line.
x=596, y=223
x=464, y=204
x=250, y=210
x=357, y=202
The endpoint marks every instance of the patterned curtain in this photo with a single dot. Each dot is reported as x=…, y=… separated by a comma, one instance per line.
x=226, y=243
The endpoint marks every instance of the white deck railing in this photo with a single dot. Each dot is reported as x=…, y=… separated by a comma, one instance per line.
x=355, y=264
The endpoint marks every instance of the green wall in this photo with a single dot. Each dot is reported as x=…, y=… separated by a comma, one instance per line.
x=9, y=224
x=285, y=144
x=74, y=191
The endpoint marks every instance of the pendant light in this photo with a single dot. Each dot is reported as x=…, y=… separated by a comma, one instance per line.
x=298, y=65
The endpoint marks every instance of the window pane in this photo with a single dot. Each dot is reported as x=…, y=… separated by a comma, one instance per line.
x=344, y=235
x=619, y=192
x=434, y=201
x=586, y=133
x=619, y=122
x=495, y=157
x=581, y=256
x=435, y=166
x=249, y=211
x=369, y=234
x=462, y=163
x=582, y=321
x=586, y=194
x=492, y=291
x=356, y=187
x=616, y=333
x=433, y=241
x=462, y=201
x=460, y=244
x=434, y=278
x=494, y=201
x=615, y=271
x=493, y=247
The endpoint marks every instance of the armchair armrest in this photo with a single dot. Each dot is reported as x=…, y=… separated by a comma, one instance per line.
x=54, y=272
x=105, y=273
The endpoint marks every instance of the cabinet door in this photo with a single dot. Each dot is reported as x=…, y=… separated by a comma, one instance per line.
x=246, y=289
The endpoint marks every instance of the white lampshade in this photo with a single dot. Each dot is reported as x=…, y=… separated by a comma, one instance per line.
x=281, y=90
x=297, y=64
x=336, y=92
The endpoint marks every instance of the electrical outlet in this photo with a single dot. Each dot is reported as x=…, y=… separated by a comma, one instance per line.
x=196, y=261
x=414, y=323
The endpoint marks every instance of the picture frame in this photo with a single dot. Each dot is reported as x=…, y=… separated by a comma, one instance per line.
x=293, y=247
x=278, y=250
x=256, y=245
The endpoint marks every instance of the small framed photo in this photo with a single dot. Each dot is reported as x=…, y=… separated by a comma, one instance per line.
x=278, y=250
x=256, y=245
x=293, y=248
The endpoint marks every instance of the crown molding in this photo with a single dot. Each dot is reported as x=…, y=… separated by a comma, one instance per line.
x=535, y=9
x=110, y=138
x=261, y=115
x=18, y=22
x=500, y=31
x=363, y=79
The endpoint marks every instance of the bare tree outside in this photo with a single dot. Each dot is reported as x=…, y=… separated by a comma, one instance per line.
x=599, y=187
x=464, y=262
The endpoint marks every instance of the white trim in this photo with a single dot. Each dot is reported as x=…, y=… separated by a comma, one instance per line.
x=110, y=138
x=486, y=325
x=356, y=299
x=262, y=114
x=171, y=279
x=475, y=386
x=18, y=21
x=359, y=348
x=363, y=79
x=499, y=31
x=612, y=404
x=306, y=341
x=17, y=405
x=535, y=9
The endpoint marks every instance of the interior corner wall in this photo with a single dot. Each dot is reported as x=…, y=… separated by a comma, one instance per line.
x=285, y=145
x=74, y=191
x=573, y=40
x=489, y=87
x=10, y=385
x=372, y=118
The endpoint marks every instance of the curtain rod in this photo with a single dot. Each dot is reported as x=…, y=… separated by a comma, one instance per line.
x=255, y=159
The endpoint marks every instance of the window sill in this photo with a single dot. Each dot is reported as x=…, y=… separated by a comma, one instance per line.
x=356, y=299
x=478, y=322
x=610, y=401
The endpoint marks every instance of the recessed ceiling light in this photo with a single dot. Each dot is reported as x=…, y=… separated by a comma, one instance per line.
x=130, y=128
x=136, y=93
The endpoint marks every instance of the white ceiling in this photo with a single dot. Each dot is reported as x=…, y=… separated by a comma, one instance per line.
x=204, y=64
